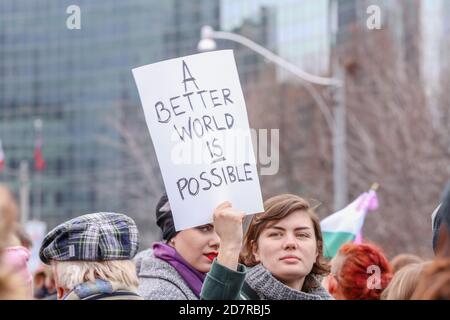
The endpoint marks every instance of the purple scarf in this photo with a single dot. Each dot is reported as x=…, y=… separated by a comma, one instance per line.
x=193, y=278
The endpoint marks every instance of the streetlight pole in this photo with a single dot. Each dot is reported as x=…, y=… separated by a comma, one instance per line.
x=38, y=194
x=336, y=123
x=340, y=185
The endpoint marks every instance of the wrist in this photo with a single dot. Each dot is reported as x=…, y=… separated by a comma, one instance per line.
x=231, y=247
x=228, y=258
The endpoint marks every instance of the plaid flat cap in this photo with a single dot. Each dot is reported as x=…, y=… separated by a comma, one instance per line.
x=92, y=237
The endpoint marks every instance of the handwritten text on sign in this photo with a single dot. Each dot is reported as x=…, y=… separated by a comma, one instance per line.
x=196, y=115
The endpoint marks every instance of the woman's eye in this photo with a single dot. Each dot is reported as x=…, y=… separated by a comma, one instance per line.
x=303, y=235
x=275, y=234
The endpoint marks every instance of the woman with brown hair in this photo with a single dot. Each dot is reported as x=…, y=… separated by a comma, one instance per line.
x=282, y=250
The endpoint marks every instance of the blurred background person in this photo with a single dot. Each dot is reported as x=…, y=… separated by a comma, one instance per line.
x=404, y=282
x=404, y=259
x=44, y=283
x=15, y=281
x=9, y=214
x=359, y=272
x=434, y=282
x=441, y=225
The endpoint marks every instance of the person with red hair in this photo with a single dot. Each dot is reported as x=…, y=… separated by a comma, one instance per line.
x=359, y=272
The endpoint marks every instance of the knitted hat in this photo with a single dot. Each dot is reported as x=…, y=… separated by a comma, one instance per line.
x=92, y=237
x=164, y=218
x=440, y=215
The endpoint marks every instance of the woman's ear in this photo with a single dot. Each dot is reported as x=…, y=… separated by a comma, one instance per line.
x=255, y=251
x=171, y=242
x=60, y=293
x=331, y=284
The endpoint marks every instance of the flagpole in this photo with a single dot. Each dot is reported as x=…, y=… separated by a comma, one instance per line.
x=375, y=186
x=39, y=196
x=359, y=236
x=24, y=176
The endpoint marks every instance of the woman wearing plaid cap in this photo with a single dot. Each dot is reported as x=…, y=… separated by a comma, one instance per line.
x=174, y=269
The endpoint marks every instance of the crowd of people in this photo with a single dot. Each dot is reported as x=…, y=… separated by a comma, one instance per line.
x=278, y=257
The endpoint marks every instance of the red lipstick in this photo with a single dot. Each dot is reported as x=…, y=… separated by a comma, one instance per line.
x=211, y=256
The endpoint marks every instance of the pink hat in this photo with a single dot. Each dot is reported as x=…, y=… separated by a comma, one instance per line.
x=16, y=258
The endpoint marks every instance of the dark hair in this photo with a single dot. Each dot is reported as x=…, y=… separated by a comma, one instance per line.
x=276, y=209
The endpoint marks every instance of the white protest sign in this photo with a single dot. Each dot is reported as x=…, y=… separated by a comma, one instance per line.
x=197, y=118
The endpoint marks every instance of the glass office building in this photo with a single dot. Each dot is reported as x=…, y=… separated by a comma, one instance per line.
x=300, y=28
x=75, y=80
x=79, y=83
x=401, y=19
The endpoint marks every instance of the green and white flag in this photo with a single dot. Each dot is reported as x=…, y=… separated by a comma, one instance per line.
x=346, y=224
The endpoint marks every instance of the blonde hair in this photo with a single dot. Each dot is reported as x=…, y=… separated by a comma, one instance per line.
x=68, y=274
x=404, y=259
x=404, y=282
x=8, y=214
x=10, y=285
